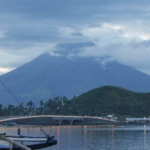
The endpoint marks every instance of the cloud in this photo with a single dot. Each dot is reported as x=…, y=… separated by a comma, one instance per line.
x=120, y=29
x=51, y=53
x=134, y=54
x=127, y=42
x=108, y=33
x=2, y=34
x=4, y=70
x=14, y=58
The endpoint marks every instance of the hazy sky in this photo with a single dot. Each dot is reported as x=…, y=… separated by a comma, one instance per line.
x=120, y=28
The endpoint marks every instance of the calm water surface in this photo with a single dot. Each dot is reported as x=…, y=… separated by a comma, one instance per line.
x=92, y=137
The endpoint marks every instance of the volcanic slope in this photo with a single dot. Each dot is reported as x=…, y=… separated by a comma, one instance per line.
x=49, y=76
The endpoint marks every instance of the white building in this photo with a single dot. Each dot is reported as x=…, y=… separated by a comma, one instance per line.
x=136, y=120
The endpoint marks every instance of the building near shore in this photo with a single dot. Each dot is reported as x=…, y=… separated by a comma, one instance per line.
x=138, y=120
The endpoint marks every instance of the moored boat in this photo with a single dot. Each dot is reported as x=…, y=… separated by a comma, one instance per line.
x=39, y=141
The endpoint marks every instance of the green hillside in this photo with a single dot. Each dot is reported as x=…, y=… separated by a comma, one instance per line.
x=103, y=101
x=111, y=100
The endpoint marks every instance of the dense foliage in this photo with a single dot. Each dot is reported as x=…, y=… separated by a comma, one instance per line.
x=52, y=106
x=97, y=102
x=112, y=100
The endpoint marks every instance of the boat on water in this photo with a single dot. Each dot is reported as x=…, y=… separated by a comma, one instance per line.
x=18, y=142
x=25, y=140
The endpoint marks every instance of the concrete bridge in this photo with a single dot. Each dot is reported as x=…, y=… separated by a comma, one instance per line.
x=59, y=118
x=71, y=119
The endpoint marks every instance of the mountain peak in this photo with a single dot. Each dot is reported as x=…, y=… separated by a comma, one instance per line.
x=72, y=48
x=46, y=76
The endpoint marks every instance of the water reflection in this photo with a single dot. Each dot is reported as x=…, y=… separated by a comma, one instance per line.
x=92, y=137
x=144, y=137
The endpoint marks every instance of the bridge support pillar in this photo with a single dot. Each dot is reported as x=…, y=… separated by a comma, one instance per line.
x=60, y=121
x=71, y=121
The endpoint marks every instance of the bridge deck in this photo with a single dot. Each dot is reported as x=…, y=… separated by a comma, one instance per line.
x=55, y=117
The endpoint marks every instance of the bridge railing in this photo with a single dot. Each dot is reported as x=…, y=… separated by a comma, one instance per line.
x=10, y=118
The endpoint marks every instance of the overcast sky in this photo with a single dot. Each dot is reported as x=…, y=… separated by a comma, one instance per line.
x=120, y=29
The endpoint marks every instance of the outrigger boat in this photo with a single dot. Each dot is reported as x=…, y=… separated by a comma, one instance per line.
x=17, y=142
x=40, y=141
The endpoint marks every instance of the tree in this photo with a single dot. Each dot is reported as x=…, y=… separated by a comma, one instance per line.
x=30, y=104
x=10, y=108
x=41, y=103
x=21, y=108
x=1, y=110
x=30, y=107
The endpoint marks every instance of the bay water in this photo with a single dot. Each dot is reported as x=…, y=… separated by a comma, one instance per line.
x=91, y=137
